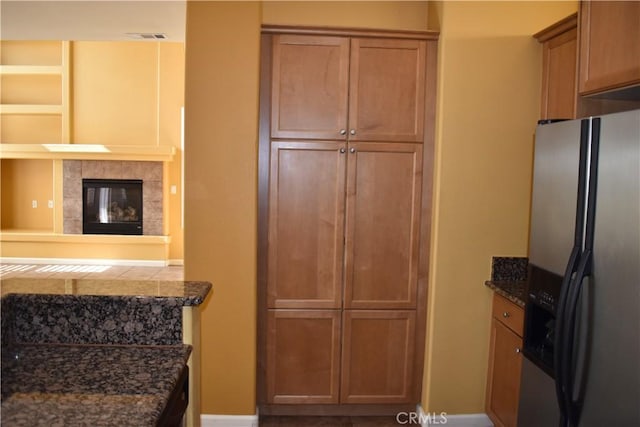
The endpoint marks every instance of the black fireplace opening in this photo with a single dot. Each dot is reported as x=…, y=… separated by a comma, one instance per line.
x=112, y=206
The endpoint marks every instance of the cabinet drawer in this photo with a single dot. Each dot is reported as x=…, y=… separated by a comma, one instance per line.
x=508, y=313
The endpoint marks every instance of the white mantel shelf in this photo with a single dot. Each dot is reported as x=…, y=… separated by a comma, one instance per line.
x=87, y=152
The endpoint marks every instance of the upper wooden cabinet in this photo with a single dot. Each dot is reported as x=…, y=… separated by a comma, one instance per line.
x=310, y=87
x=338, y=88
x=386, y=90
x=559, y=55
x=609, y=45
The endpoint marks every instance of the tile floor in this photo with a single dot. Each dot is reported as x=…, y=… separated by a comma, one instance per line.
x=71, y=271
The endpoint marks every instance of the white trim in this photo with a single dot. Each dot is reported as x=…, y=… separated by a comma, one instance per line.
x=175, y=261
x=452, y=420
x=85, y=261
x=209, y=420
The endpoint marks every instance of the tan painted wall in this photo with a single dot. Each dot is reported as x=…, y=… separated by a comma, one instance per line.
x=391, y=15
x=488, y=98
x=221, y=119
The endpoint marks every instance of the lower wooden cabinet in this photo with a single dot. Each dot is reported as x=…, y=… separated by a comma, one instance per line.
x=308, y=362
x=377, y=356
x=505, y=362
x=303, y=356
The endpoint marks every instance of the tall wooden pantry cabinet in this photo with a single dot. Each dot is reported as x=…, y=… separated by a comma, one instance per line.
x=345, y=176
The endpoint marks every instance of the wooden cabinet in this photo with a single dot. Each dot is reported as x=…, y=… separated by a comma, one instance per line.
x=609, y=45
x=377, y=356
x=559, y=62
x=306, y=224
x=382, y=225
x=343, y=132
x=303, y=356
x=308, y=234
x=319, y=81
x=386, y=90
x=309, y=87
x=505, y=362
x=591, y=61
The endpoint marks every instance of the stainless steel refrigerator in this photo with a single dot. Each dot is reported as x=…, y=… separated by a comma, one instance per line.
x=581, y=364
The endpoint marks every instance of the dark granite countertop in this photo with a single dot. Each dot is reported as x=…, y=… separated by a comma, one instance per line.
x=92, y=352
x=514, y=291
x=92, y=385
x=509, y=278
x=186, y=293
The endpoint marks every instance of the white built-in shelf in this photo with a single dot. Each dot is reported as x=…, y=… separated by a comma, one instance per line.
x=46, y=236
x=30, y=109
x=87, y=152
x=30, y=70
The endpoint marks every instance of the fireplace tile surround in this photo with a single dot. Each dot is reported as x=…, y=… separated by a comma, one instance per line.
x=148, y=171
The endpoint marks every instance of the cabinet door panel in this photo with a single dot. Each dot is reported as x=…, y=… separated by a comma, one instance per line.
x=383, y=207
x=306, y=225
x=377, y=356
x=309, y=88
x=609, y=45
x=559, y=76
x=505, y=363
x=303, y=356
x=386, y=90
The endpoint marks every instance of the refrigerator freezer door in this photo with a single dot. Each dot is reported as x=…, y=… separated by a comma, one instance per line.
x=555, y=193
x=538, y=404
x=612, y=387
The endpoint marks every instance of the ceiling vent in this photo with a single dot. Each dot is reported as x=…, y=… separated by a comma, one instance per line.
x=147, y=36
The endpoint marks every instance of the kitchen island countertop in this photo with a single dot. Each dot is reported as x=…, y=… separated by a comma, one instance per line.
x=61, y=385
x=186, y=293
x=93, y=352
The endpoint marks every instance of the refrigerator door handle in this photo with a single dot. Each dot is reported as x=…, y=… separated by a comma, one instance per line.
x=560, y=345
x=572, y=403
x=559, y=342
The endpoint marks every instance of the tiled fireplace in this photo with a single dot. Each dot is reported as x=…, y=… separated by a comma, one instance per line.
x=74, y=171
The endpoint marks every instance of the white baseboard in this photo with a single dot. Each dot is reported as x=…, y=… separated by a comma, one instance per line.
x=208, y=420
x=175, y=262
x=451, y=420
x=85, y=261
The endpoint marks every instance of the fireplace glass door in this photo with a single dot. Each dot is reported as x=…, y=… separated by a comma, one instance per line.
x=112, y=206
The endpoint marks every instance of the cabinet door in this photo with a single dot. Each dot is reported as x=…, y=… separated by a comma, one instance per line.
x=309, y=87
x=559, y=76
x=303, y=356
x=503, y=383
x=306, y=225
x=609, y=45
x=377, y=356
x=386, y=90
x=382, y=225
